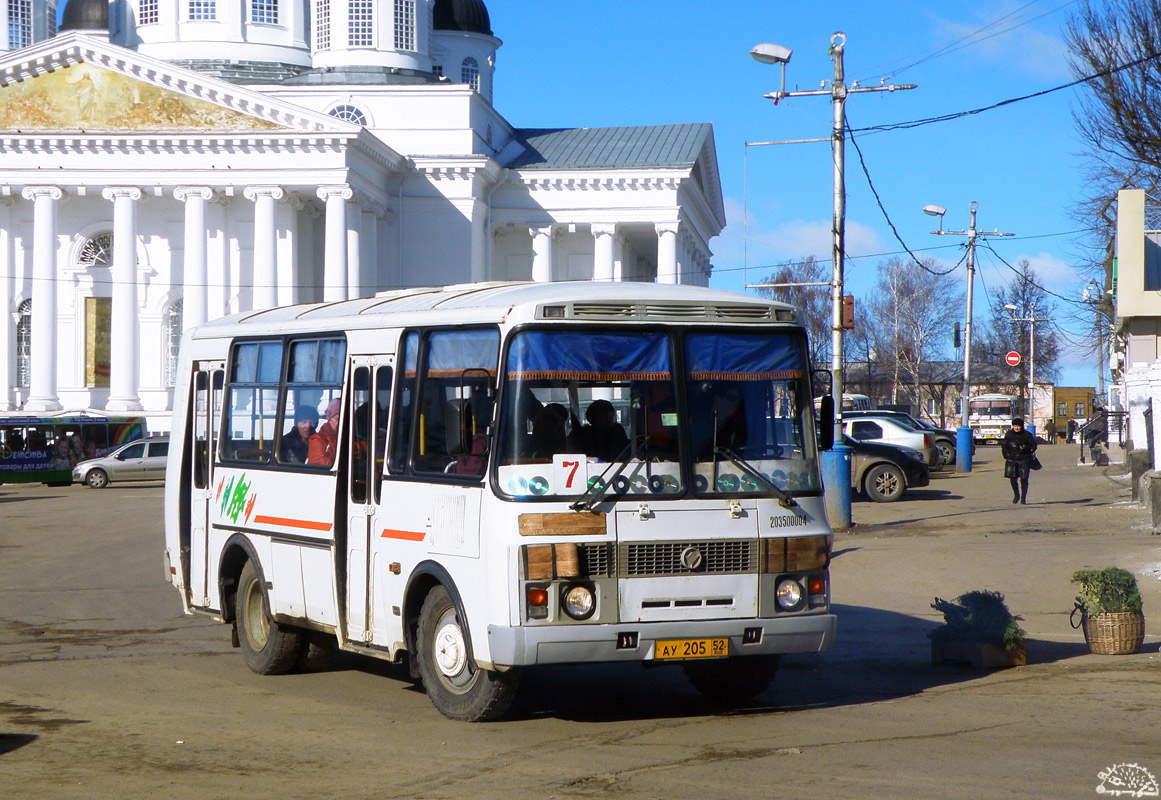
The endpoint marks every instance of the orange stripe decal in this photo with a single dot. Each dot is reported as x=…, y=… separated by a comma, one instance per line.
x=410, y=536
x=286, y=522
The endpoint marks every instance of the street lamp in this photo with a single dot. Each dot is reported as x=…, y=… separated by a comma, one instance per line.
x=1095, y=298
x=963, y=436
x=1031, y=319
x=837, y=461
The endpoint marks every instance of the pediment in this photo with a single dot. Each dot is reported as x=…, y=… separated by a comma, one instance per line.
x=86, y=97
x=81, y=83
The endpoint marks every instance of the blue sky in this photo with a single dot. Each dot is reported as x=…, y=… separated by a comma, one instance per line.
x=599, y=62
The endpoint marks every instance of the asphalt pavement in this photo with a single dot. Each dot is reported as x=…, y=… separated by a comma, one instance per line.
x=107, y=690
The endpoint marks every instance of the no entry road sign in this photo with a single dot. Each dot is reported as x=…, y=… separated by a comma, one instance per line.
x=1013, y=358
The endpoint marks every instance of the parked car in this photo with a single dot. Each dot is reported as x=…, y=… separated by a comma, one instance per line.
x=885, y=430
x=945, y=439
x=142, y=460
x=884, y=472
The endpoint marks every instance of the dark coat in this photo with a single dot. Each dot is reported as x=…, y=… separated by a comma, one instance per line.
x=1018, y=447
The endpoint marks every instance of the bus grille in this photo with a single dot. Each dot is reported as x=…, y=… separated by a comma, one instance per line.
x=641, y=559
x=598, y=560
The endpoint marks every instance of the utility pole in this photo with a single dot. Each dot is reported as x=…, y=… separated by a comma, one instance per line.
x=963, y=436
x=837, y=461
x=1031, y=319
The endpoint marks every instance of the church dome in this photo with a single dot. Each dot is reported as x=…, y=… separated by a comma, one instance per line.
x=469, y=16
x=85, y=15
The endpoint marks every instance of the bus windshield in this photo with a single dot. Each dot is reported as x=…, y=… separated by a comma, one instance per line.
x=585, y=409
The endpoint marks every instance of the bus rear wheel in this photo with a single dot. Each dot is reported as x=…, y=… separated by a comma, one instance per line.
x=732, y=680
x=453, y=682
x=267, y=647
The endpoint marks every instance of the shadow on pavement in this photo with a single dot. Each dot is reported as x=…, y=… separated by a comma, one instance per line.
x=6, y=498
x=14, y=741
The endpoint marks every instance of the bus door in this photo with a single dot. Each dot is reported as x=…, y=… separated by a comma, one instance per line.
x=208, y=380
x=370, y=399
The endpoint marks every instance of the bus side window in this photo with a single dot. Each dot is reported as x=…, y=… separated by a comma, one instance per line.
x=404, y=409
x=383, y=402
x=252, y=407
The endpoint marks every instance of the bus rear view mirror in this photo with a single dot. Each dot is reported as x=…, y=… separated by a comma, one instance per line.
x=826, y=422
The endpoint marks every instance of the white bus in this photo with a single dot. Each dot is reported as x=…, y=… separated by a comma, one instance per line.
x=525, y=474
x=990, y=416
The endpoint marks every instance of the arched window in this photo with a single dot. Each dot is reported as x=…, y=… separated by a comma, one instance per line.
x=24, y=344
x=349, y=113
x=470, y=73
x=172, y=340
x=97, y=251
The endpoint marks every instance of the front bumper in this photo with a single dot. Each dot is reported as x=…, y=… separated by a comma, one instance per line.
x=564, y=644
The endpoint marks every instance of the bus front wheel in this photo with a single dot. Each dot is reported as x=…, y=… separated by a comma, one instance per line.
x=267, y=647
x=453, y=682
x=732, y=680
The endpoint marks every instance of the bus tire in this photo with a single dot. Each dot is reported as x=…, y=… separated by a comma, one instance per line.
x=732, y=680
x=316, y=652
x=97, y=479
x=885, y=483
x=454, y=684
x=267, y=647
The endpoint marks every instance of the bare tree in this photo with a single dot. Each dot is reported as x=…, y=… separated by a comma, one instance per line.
x=1115, y=43
x=1031, y=301
x=814, y=301
x=913, y=311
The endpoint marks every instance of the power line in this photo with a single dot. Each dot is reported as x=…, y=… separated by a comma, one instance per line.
x=886, y=216
x=1020, y=20
x=960, y=114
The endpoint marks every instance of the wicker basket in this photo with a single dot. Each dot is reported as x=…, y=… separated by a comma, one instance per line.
x=1116, y=633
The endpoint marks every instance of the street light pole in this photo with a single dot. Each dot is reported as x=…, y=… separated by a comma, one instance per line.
x=836, y=464
x=963, y=436
x=1031, y=319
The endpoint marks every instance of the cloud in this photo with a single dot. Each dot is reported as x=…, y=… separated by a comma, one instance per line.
x=1009, y=35
x=764, y=246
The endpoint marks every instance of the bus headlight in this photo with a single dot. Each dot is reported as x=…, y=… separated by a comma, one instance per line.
x=578, y=601
x=789, y=594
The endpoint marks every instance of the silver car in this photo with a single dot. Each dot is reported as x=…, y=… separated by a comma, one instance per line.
x=142, y=460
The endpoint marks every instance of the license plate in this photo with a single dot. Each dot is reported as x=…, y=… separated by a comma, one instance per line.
x=667, y=649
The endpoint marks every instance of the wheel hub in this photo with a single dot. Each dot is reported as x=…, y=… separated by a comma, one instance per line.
x=451, y=652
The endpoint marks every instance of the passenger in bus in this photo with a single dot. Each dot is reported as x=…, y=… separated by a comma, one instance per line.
x=548, y=432
x=296, y=441
x=603, y=437
x=324, y=443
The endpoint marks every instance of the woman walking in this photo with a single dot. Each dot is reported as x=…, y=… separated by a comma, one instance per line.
x=1018, y=448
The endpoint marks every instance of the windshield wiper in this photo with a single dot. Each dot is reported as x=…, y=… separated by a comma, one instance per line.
x=596, y=489
x=785, y=499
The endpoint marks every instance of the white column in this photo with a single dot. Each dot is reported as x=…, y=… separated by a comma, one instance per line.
x=42, y=394
x=619, y=247
x=541, y=253
x=369, y=258
x=479, y=242
x=354, y=250
x=666, y=252
x=265, y=291
x=123, y=345
x=195, y=292
x=7, y=331
x=335, y=241
x=604, y=237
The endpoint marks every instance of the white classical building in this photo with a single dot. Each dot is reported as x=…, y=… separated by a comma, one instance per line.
x=166, y=162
